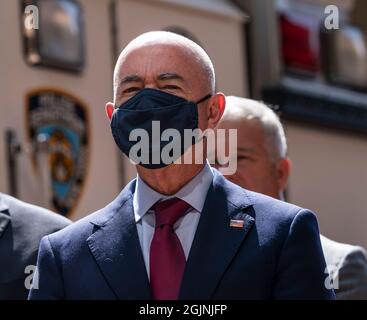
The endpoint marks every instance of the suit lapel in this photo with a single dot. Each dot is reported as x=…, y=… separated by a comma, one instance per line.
x=116, y=248
x=215, y=243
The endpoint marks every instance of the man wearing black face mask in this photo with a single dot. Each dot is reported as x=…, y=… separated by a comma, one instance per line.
x=179, y=230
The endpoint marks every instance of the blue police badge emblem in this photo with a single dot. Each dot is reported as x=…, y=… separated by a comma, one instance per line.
x=63, y=119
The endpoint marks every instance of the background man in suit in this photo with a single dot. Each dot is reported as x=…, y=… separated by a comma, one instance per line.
x=263, y=166
x=22, y=227
x=179, y=230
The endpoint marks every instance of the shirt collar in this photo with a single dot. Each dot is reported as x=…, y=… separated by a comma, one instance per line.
x=194, y=193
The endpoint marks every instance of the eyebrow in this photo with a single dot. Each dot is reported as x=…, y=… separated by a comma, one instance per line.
x=131, y=78
x=162, y=77
x=170, y=76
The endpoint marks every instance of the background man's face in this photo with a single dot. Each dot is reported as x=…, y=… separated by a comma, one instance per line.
x=255, y=169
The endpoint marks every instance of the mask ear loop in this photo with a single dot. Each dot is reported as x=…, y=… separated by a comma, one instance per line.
x=200, y=101
x=205, y=98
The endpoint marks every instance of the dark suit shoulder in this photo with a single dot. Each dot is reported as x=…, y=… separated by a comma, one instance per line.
x=273, y=208
x=264, y=206
x=273, y=218
x=36, y=219
x=78, y=232
x=28, y=225
x=25, y=225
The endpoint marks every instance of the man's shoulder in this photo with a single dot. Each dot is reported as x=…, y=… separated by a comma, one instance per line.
x=274, y=220
x=349, y=264
x=78, y=231
x=337, y=253
x=28, y=225
x=273, y=208
x=33, y=217
x=264, y=207
x=82, y=229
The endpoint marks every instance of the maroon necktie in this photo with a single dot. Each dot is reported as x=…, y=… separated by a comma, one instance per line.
x=167, y=258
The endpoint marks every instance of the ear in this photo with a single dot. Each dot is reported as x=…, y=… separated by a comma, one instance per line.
x=283, y=171
x=109, y=109
x=216, y=109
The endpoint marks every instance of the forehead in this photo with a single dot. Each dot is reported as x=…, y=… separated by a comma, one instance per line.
x=154, y=59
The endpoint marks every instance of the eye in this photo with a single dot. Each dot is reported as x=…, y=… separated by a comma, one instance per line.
x=171, y=87
x=131, y=89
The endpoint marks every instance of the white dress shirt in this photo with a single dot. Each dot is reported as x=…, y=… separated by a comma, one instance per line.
x=194, y=193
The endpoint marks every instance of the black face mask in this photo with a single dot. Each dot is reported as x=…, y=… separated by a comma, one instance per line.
x=139, y=112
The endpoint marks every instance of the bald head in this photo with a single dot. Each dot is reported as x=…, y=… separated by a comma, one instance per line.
x=161, y=55
x=239, y=110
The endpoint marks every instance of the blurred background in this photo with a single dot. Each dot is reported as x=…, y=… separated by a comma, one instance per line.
x=306, y=59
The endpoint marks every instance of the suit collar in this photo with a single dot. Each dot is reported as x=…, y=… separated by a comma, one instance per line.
x=216, y=243
x=116, y=248
x=4, y=214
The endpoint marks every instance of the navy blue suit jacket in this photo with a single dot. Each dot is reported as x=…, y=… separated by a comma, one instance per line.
x=276, y=255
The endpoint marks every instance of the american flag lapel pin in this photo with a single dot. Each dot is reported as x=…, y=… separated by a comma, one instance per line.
x=236, y=223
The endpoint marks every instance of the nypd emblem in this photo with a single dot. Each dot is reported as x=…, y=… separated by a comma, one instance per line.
x=64, y=121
